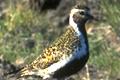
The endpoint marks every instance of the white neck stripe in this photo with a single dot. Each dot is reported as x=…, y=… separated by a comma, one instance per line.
x=74, y=25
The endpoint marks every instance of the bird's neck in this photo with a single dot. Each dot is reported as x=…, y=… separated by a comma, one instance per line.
x=74, y=26
x=83, y=32
x=79, y=29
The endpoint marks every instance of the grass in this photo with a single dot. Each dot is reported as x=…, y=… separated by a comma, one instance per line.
x=18, y=27
x=111, y=12
x=21, y=26
x=103, y=55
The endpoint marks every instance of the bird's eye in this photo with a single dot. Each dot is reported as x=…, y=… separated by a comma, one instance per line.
x=82, y=13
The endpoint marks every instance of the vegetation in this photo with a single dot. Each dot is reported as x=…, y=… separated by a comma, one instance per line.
x=24, y=33
x=103, y=54
x=112, y=13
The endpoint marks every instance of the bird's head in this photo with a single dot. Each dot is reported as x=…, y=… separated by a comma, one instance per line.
x=79, y=15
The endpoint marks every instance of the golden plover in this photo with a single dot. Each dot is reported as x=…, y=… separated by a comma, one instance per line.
x=68, y=54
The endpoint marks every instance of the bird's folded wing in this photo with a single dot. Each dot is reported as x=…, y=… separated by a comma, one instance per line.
x=63, y=46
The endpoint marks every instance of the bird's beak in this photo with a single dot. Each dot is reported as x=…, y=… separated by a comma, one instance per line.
x=90, y=16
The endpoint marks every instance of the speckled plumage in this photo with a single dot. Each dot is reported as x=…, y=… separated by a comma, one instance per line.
x=63, y=46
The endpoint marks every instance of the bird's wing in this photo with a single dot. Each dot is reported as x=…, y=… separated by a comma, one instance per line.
x=61, y=47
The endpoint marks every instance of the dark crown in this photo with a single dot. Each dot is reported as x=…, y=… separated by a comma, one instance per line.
x=82, y=6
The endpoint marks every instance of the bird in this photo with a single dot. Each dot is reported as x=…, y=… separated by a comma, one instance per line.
x=68, y=54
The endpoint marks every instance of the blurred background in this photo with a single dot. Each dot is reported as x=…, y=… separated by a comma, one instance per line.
x=28, y=26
